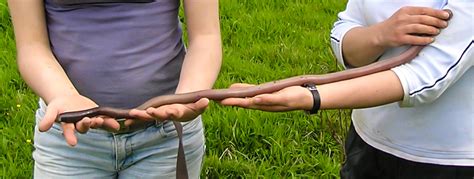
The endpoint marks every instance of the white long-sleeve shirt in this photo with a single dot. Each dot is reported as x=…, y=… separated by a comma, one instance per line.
x=435, y=121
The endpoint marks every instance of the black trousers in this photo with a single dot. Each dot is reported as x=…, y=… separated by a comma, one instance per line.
x=365, y=162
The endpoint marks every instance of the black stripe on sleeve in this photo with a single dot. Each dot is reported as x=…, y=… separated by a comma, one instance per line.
x=447, y=72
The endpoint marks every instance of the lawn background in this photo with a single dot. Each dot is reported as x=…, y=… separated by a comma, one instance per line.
x=263, y=40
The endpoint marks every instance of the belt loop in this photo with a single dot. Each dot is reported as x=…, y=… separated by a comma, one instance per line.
x=123, y=128
x=158, y=123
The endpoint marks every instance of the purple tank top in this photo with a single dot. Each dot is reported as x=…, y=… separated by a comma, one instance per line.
x=118, y=54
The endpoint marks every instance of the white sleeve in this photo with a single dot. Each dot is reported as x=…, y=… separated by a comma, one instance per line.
x=348, y=19
x=440, y=64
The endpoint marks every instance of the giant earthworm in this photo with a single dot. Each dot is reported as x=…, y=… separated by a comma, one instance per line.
x=269, y=87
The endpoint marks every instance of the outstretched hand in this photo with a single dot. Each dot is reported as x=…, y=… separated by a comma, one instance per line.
x=287, y=99
x=72, y=103
x=174, y=112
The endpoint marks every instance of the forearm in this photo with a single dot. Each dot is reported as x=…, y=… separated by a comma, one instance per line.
x=367, y=91
x=203, y=59
x=407, y=26
x=363, y=92
x=43, y=74
x=36, y=62
x=360, y=46
x=201, y=65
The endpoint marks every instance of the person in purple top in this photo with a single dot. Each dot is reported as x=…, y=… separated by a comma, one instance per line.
x=78, y=54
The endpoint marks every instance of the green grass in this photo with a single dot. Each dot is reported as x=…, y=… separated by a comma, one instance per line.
x=17, y=104
x=263, y=40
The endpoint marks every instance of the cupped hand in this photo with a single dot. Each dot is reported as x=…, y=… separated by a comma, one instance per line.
x=174, y=112
x=288, y=99
x=73, y=103
x=411, y=26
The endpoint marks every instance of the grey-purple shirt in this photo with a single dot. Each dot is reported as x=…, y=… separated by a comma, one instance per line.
x=118, y=54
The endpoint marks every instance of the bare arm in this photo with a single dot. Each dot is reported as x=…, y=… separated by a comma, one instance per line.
x=367, y=91
x=41, y=71
x=387, y=86
x=36, y=62
x=408, y=26
x=203, y=59
x=201, y=64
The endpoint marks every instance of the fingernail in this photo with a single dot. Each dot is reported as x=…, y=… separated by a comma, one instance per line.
x=446, y=14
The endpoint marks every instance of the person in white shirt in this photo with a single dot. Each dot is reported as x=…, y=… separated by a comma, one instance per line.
x=415, y=120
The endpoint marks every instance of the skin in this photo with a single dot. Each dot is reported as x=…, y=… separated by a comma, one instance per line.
x=361, y=46
x=402, y=28
x=353, y=93
x=49, y=81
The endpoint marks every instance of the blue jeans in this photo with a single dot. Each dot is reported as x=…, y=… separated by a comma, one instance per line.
x=145, y=153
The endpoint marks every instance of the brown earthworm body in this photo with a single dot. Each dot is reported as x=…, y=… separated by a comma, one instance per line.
x=219, y=94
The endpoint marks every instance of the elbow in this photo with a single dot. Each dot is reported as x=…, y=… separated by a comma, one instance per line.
x=414, y=99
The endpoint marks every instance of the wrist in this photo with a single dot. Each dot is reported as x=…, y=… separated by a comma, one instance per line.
x=66, y=94
x=377, y=39
x=316, y=99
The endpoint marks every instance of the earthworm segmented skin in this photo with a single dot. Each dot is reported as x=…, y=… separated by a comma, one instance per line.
x=269, y=87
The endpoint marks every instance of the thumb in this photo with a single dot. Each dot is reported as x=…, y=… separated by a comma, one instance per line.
x=48, y=119
x=201, y=104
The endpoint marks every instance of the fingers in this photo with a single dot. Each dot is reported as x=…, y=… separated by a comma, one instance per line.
x=240, y=102
x=199, y=106
x=449, y=12
x=255, y=102
x=441, y=14
x=68, y=133
x=429, y=20
x=412, y=26
x=422, y=30
x=83, y=125
x=417, y=40
x=170, y=112
x=103, y=122
x=96, y=122
x=179, y=112
x=268, y=100
x=48, y=119
x=110, y=124
x=264, y=103
x=141, y=114
x=417, y=34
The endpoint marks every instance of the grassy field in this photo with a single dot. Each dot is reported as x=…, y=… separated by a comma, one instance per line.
x=263, y=40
